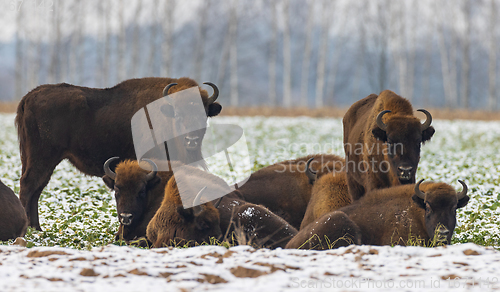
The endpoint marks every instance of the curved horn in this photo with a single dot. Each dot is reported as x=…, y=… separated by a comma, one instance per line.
x=107, y=170
x=165, y=90
x=428, y=121
x=214, y=96
x=154, y=168
x=418, y=192
x=311, y=174
x=463, y=193
x=381, y=124
x=197, y=207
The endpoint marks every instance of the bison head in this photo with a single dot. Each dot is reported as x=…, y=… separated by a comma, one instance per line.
x=440, y=202
x=188, y=119
x=194, y=225
x=131, y=185
x=403, y=136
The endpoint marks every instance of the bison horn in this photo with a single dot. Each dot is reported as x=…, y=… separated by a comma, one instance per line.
x=165, y=90
x=196, y=202
x=154, y=170
x=107, y=170
x=418, y=192
x=311, y=174
x=214, y=96
x=463, y=193
x=381, y=124
x=428, y=121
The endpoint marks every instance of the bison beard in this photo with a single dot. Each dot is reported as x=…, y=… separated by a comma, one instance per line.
x=84, y=125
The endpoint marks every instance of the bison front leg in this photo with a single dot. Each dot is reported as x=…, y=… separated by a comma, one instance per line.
x=356, y=190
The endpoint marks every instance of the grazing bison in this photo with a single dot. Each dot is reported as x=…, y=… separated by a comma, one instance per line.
x=138, y=195
x=328, y=194
x=404, y=214
x=13, y=220
x=285, y=187
x=175, y=225
x=331, y=230
x=87, y=126
x=382, y=140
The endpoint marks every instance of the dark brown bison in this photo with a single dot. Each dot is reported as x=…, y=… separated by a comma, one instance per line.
x=175, y=225
x=87, y=126
x=401, y=215
x=329, y=193
x=13, y=220
x=285, y=187
x=138, y=195
x=331, y=230
x=382, y=140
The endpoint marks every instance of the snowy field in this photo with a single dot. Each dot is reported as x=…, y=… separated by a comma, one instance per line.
x=78, y=216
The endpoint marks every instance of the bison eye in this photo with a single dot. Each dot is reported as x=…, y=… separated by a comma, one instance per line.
x=428, y=208
x=142, y=193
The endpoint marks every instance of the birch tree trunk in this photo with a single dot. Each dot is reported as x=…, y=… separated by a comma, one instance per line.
x=233, y=52
x=320, y=69
x=19, y=56
x=287, y=56
x=55, y=63
x=168, y=42
x=412, y=50
x=135, y=64
x=273, y=51
x=121, y=43
x=465, y=72
x=200, y=40
x=107, y=46
x=492, y=58
x=306, y=60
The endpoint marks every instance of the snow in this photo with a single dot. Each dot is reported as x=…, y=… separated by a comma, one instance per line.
x=214, y=268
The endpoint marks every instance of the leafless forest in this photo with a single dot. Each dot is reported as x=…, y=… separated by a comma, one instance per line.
x=260, y=52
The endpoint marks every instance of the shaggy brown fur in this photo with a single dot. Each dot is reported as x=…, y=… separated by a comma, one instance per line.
x=329, y=193
x=332, y=230
x=84, y=125
x=137, y=196
x=13, y=220
x=371, y=162
x=284, y=187
x=174, y=225
x=394, y=215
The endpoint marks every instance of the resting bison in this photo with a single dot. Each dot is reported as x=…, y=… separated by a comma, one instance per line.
x=138, y=195
x=285, y=187
x=332, y=230
x=175, y=225
x=403, y=214
x=13, y=221
x=328, y=194
x=382, y=142
x=87, y=126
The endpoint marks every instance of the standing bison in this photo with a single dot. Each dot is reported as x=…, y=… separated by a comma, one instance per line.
x=87, y=126
x=382, y=140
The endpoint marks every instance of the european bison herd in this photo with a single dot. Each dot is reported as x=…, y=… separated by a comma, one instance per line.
x=320, y=201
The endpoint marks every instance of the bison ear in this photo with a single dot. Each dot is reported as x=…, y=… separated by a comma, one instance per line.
x=185, y=213
x=463, y=202
x=427, y=134
x=379, y=134
x=214, y=109
x=419, y=201
x=108, y=181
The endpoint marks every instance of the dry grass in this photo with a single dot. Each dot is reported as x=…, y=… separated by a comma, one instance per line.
x=325, y=112
x=8, y=107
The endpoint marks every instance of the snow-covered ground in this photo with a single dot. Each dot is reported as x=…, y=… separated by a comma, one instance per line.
x=462, y=267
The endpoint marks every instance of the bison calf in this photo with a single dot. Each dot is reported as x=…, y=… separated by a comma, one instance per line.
x=13, y=219
x=138, y=195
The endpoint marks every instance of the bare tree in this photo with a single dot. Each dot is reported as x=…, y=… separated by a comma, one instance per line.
x=492, y=57
x=287, y=56
x=55, y=63
x=107, y=44
x=361, y=53
x=75, y=52
x=412, y=49
x=136, y=40
x=199, y=48
x=273, y=51
x=152, y=66
x=306, y=59
x=426, y=72
x=233, y=51
x=168, y=32
x=121, y=73
x=465, y=72
x=320, y=68
x=19, y=55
